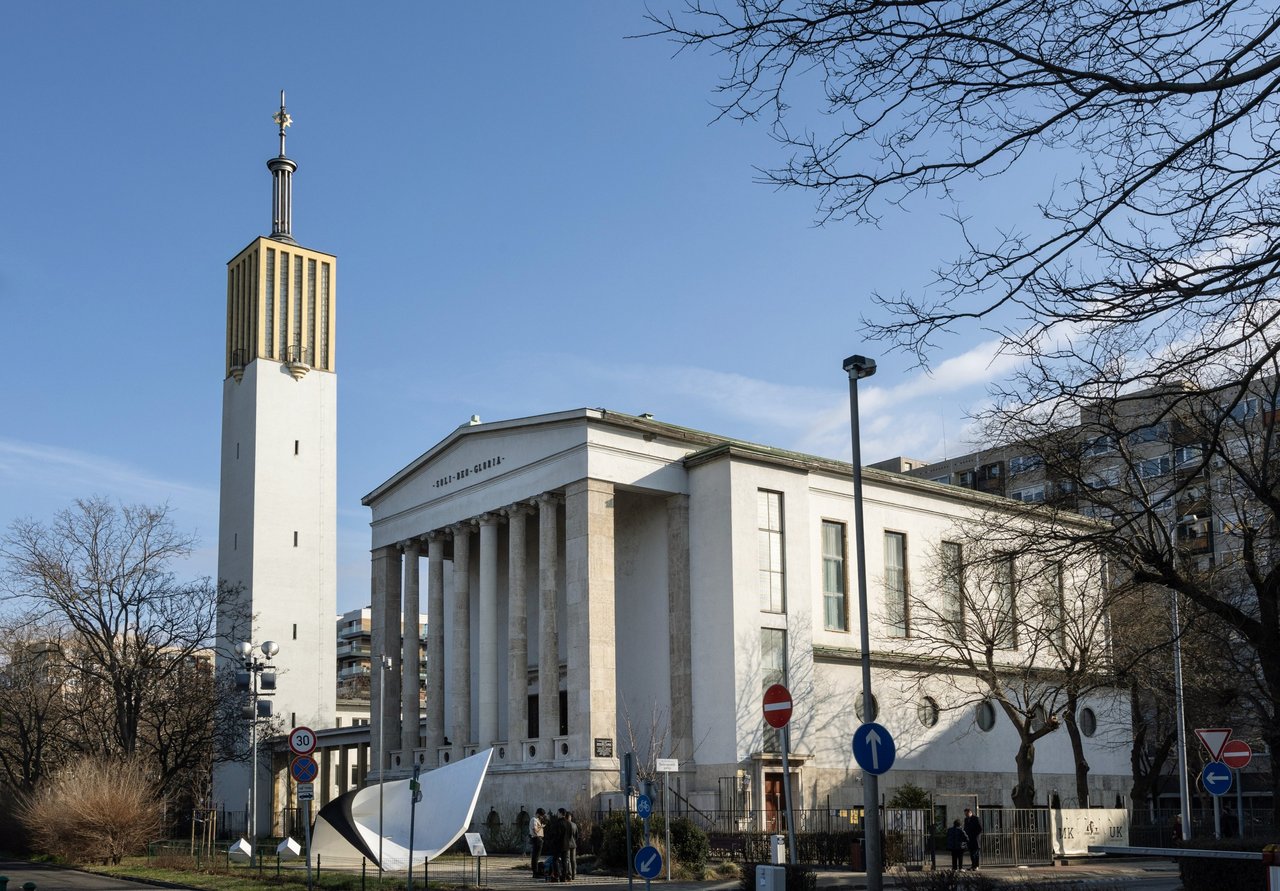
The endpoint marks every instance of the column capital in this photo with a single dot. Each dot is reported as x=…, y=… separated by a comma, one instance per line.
x=548, y=498
x=491, y=518
x=438, y=535
x=462, y=527
x=410, y=544
x=519, y=509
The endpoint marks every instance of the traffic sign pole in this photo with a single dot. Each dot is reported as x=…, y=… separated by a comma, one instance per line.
x=786, y=789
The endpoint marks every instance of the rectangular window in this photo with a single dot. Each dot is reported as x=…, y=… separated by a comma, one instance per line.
x=295, y=538
x=773, y=670
x=1024, y=464
x=834, y=581
x=951, y=610
x=295, y=630
x=1006, y=605
x=1031, y=494
x=895, y=583
x=773, y=589
x=295, y=446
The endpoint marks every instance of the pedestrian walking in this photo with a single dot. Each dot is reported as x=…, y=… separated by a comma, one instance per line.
x=973, y=833
x=536, y=832
x=957, y=841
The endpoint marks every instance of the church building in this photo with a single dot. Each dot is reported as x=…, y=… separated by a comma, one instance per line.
x=600, y=583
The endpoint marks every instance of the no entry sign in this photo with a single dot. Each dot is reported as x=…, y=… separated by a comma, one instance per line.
x=1237, y=754
x=777, y=706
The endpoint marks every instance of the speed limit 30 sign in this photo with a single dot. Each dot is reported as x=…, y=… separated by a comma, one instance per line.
x=302, y=740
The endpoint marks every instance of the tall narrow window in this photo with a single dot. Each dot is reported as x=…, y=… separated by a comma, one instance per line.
x=773, y=670
x=297, y=309
x=311, y=311
x=835, y=609
x=951, y=610
x=269, y=337
x=1006, y=605
x=773, y=587
x=284, y=306
x=324, y=317
x=895, y=583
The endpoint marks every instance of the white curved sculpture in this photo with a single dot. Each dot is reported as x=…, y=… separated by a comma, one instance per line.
x=346, y=830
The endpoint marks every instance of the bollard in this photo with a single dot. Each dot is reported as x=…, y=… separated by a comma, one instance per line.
x=28, y=886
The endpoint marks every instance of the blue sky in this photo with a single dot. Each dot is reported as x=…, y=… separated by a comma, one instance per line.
x=531, y=213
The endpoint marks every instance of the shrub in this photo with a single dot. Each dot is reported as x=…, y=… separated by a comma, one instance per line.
x=93, y=812
x=909, y=795
x=689, y=844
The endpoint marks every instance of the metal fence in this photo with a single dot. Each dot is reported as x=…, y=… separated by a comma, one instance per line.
x=1016, y=836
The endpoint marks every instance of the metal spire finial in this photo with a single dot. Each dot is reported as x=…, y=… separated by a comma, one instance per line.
x=282, y=118
x=282, y=169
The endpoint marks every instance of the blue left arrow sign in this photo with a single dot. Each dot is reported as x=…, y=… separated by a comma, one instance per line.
x=1216, y=778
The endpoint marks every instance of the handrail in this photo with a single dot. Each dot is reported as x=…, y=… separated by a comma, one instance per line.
x=1175, y=852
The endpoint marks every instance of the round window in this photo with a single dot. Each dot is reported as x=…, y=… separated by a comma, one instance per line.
x=859, y=709
x=985, y=715
x=927, y=711
x=1037, y=718
x=1088, y=722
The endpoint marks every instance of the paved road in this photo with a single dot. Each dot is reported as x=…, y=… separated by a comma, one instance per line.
x=510, y=874
x=57, y=878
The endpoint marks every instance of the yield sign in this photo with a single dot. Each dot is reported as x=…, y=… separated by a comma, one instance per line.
x=1237, y=754
x=1213, y=739
x=777, y=706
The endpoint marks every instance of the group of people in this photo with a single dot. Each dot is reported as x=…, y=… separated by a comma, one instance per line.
x=553, y=845
x=962, y=836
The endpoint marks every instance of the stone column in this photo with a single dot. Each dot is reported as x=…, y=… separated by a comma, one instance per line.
x=589, y=604
x=410, y=649
x=549, y=639
x=384, y=711
x=344, y=769
x=487, y=658
x=325, y=786
x=460, y=663
x=435, y=642
x=517, y=628
x=680, y=623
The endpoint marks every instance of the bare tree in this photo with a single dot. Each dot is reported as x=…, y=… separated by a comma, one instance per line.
x=37, y=711
x=131, y=630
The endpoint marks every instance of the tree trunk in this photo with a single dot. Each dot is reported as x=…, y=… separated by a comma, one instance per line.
x=1024, y=793
x=1077, y=750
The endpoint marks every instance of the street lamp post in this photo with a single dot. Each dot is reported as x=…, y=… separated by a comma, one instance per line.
x=859, y=367
x=384, y=663
x=258, y=678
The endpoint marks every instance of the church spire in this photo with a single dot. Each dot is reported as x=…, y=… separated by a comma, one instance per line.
x=282, y=170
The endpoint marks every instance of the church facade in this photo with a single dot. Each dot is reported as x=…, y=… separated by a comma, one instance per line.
x=599, y=583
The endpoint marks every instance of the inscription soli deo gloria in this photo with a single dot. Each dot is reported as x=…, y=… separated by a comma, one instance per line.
x=463, y=472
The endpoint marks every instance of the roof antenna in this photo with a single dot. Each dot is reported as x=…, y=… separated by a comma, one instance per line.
x=282, y=183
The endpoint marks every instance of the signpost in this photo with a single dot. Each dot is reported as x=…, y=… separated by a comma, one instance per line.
x=1236, y=754
x=1213, y=739
x=667, y=766
x=777, y=713
x=873, y=748
x=644, y=806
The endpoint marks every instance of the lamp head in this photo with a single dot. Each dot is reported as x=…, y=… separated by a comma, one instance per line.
x=859, y=367
x=270, y=648
x=243, y=649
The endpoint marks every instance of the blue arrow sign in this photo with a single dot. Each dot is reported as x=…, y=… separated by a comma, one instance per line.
x=873, y=748
x=644, y=806
x=1216, y=778
x=648, y=861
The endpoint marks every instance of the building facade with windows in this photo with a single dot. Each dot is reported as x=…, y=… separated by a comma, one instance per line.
x=606, y=583
x=356, y=674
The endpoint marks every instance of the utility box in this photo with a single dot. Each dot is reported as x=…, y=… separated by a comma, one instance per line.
x=771, y=878
x=240, y=852
x=288, y=850
x=777, y=849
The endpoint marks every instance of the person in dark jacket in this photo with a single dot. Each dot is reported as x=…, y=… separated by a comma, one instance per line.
x=973, y=831
x=957, y=841
x=553, y=846
x=570, y=847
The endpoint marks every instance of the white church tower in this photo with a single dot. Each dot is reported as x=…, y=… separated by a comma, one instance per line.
x=277, y=524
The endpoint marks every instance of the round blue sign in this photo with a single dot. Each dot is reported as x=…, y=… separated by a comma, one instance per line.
x=873, y=748
x=644, y=806
x=648, y=861
x=1216, y=778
